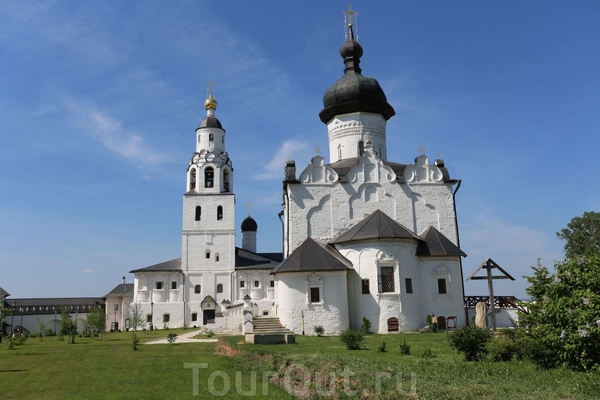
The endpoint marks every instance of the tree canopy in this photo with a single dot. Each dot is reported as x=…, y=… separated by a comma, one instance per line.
x=582, y=235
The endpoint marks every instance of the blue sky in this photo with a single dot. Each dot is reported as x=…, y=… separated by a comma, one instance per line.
x=99, y=102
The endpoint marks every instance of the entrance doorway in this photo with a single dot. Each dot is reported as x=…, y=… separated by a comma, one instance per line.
x=208, y=317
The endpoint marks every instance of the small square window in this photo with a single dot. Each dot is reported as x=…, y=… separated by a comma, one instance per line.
x=159, y=285
x=408, y=284
x=166, y=318
x=173, y=285
x=149, y=318
x=219, y=288
x=242, y=284
x=256, y=284
x=314, y=295
x=116, y=307
x=272, y=284
x=194, y=317
x=365, y=286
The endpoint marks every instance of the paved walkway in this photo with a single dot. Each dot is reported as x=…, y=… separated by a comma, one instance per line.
x=184, y=338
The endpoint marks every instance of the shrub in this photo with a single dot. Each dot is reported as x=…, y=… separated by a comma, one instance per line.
x=172, y=337
x=353, y=339
x=48, y=332
x=382, y=348
x=366, y=325
x=501, y=349
x=405, y=349
x=134, y=343
x=471, y=341
x=208, y=334
x=427, y=353
x=319, y=330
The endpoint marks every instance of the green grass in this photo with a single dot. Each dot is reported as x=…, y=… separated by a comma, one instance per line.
x=53, y=369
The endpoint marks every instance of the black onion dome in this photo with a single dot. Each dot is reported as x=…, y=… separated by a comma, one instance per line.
x=211, y=122
x=249, y=225
x=354, y=92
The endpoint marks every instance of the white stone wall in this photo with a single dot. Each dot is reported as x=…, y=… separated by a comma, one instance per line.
x=203, y=139
x=345, y=131
x=322, y=207
x=292, y=299
x=449, y=304
x=29, y=321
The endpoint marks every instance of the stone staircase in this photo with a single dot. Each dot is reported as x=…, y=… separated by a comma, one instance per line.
x=268, y=330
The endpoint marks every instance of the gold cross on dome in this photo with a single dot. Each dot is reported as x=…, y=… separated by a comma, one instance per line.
x=350, y=22
x=249, y=208
x=210, y=86
x=421, y=149
x=317, y=150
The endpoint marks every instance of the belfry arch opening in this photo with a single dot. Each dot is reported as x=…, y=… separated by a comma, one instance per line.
x=209, y=177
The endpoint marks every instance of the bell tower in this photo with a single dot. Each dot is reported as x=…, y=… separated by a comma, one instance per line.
x=208, y=235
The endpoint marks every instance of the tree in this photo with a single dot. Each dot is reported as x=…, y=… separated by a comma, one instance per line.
x=136, y=319
x=67, y=326
x=96, y=321
x=41, y=328
x=4, y=312
x=564, y=320
x=582, y=235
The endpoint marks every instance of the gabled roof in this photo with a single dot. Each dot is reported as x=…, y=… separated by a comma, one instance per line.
x=376, y=226
x=57, y=302
x=242, y=263
x=312, y=256
x=171, y=265
x=4, y=293
x=436, y=244
x=121, y=290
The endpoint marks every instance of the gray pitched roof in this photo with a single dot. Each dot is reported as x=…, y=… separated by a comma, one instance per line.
x=121, y=290
x=4, y=293
x=60, y=301
x=313, y=256
x=376, y=226
x=436, y=244
x=171, y=265
x=247, y=263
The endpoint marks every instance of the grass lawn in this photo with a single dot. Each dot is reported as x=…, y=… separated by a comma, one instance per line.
x=54, y=369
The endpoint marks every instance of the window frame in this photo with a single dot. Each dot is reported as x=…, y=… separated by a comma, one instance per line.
x=386, y=279
x=408, y=286
x=314, y=295
x=220, y=288
x=159, y=285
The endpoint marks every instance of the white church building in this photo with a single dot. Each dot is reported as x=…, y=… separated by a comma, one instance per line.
x=364, y=236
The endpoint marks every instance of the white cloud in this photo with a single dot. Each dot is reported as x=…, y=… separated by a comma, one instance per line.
x=110, y=132
x=88, y=271
x=274, y=169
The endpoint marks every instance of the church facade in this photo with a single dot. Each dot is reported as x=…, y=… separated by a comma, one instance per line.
x=364, y=236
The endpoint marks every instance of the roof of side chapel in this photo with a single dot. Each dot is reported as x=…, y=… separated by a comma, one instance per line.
x=377, y=225
x=313, y=256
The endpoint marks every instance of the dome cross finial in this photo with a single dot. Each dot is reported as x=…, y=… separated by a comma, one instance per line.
x=350, y=24
x=210, y=104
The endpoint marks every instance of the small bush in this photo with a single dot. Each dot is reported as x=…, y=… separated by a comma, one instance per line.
x=48, y=332
x=319, y=330
x=501, y=349
x=353, y=339
x=427, y=353
x=382, y=348
x=471, y=341
x=134, y=344
x=172, y=337
x=366, y=325
x=208, y=334
x=405, y=349
x=538, y=353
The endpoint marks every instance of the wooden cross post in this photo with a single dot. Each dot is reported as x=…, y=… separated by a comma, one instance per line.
x=489, y=264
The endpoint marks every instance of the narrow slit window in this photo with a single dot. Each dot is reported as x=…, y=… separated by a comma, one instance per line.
x=408, y=284
x=198, y=213
x=361, y=148
x=211, y=137
x=365, y=286
x=219, y=288
x=217, y=257
x=207, y=253
x=219, y=213
x=193, y=179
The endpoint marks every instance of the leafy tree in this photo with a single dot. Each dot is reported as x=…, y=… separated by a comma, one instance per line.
x=41, y=328
x=564, y=321
x=582, y=235
x=68, y=327
x=96, y=321
x=136, y=319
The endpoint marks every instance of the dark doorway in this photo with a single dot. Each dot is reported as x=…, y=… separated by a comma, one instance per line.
x=208, y=317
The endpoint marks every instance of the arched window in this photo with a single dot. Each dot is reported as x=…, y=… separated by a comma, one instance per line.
x=216, y=256
x=198, y=213
x=219, y=213
x=339, y=151
x=226, y=180
x=361, y=148
x=219, y=288
x=211, y=137
x=207, y=253
x=197, y=289
x=193, y=179
x=209, y=177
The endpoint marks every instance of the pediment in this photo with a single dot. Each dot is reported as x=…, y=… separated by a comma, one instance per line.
x=318, y=173
x=423, y=172
x=371, y=168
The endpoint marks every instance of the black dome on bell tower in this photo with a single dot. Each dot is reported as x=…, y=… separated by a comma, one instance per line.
x=354, y=92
